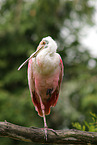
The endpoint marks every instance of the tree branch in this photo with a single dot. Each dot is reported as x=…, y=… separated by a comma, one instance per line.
x=32, y=134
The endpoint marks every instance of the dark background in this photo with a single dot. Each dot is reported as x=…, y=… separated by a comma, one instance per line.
x=23, y=23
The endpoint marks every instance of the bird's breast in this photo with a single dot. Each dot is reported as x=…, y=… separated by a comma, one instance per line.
x=45, y=85
x=47, y=64
x=46, y=70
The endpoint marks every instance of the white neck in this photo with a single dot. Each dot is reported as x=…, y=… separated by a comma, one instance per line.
x=44, y=61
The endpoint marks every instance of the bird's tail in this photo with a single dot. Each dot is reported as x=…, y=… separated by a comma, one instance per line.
x=47, y=104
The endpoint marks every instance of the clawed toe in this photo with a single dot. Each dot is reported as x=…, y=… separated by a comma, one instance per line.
x=52, y=130
x=48, y=129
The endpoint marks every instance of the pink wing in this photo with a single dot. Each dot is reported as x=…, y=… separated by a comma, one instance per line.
x=54, y=96
x=31, y=82
x=30, y=77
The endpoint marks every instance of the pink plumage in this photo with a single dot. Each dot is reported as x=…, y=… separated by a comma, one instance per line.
x=47, y=85
x=45, y=73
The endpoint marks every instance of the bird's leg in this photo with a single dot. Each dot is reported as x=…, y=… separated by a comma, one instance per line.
x=44, y=118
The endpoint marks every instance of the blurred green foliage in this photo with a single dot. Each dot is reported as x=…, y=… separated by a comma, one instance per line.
x=23, y=23
x=88, y=126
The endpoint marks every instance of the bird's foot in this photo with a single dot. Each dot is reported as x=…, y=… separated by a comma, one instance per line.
x=50, y=129
x=45, y=131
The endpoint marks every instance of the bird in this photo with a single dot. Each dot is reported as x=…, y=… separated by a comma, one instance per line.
x=45, y=74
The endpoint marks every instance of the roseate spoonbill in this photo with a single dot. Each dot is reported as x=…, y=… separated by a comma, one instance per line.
x=45, y=72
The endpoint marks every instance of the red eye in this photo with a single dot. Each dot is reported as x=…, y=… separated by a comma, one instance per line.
x=43, y=42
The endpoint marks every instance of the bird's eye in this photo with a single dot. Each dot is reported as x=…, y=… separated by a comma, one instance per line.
x=44, y=42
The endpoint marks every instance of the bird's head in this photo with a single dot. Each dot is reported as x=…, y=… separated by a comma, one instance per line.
x=48, y=44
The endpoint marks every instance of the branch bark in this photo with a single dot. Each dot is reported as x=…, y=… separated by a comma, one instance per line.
x=32, y=134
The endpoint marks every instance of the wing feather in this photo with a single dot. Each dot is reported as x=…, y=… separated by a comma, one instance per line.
x=31, y=79
x=35, y=99
x=31, y=82
x=54, y=97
